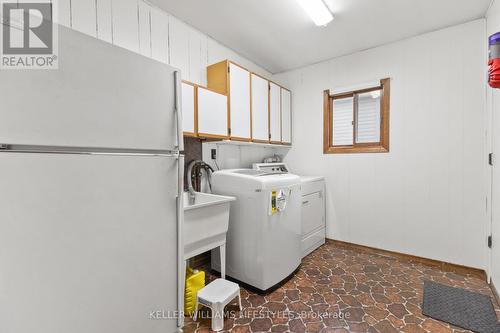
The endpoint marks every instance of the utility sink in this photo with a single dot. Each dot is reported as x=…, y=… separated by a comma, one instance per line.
x=205, y=222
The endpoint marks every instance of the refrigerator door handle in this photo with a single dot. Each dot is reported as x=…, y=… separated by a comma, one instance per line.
x=178, y=110
x=181, y=264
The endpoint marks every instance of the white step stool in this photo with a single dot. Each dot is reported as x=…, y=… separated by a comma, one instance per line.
x=216, y=295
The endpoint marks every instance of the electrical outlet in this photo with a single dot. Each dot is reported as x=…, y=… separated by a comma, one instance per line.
x=213, y=153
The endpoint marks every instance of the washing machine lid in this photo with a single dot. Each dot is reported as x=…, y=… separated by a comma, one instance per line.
x=255, y=179
x=257, y=173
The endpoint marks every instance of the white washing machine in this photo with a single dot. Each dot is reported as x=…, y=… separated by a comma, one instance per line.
x=264, y=237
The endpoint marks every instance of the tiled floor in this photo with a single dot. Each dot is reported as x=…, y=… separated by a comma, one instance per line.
x=345, y=290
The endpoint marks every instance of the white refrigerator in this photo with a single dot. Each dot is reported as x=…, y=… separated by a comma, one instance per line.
x=90, y=176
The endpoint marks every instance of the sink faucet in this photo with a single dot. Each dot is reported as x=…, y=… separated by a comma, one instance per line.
x=196, y=166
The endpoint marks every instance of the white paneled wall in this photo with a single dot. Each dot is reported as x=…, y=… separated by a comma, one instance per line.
x=427, y=196
x=144, y=17
x=83, y=16
x=159, y=36
x=64, y=12
x=104, y=21
x=125, y=23
x=140, y=27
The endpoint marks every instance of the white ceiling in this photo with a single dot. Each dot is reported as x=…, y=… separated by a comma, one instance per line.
x=279, y=36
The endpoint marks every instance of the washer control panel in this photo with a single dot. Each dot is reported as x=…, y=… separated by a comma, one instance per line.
x=271, y=167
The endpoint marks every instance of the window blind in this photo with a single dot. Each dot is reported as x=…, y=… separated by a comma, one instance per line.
x=343, y=117
x=368, y=121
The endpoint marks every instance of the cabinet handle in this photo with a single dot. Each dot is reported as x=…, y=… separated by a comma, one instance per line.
x=305, y=202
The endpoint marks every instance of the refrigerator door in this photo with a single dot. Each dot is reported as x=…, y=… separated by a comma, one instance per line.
x=101, y=96
x=88, y=243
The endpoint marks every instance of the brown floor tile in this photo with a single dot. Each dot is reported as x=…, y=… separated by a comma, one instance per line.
x=341, y=290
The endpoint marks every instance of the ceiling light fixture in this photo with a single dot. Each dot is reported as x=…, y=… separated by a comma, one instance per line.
x=317, y=10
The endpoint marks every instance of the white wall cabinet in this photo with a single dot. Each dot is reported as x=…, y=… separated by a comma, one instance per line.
x=260, y=108
x=286, y=116
x=125, y=24
x=274, y=113
x=211, y=114
x=188, y=109
x=239, y=96
x=204, y=112
x=233, y=80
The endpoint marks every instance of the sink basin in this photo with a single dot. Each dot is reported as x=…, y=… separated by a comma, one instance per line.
x=205, y=222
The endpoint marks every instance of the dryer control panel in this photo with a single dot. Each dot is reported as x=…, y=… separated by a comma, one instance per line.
x=271, y=167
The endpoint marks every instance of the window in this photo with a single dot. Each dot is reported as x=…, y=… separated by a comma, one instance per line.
x=357, y=121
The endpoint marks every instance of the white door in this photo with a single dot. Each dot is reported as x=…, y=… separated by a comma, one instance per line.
x=126, y=24
x=239, y=104
x=286, y=116
x=495, y=204
x=95, y=238
x=188, y=108
x=260, y=108
x=212, y=113
x=83, y=17
x=275, y=112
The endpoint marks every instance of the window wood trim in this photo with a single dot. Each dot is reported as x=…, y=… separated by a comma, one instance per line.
x=379, y=147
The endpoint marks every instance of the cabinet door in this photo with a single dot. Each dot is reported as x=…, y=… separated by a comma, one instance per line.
x=212, y=113
x=260, y=109
x=125, y=24
x=286, y=116
x=312, y=212
x=188, y=109
x=104, y=28
x=275, y=113
x=83, y=17
x=159, y=35
x=144, y=28
x=239, y=105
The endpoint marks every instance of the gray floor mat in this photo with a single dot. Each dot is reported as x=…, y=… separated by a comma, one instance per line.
x=459, y=307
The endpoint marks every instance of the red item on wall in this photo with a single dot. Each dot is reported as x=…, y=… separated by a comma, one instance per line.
x=494, y=60
x=494, y=73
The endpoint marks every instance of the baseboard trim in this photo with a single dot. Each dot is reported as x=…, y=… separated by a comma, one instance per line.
x=495, y=293
x=445, y=266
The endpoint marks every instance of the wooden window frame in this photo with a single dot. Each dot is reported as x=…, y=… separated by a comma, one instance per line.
x=376, y=147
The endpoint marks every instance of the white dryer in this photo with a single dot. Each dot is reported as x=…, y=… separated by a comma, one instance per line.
x=264, y=237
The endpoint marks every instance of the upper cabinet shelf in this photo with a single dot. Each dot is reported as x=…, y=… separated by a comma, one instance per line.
x=258, y=110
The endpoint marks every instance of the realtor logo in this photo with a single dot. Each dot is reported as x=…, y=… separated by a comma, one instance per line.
x=28, y=35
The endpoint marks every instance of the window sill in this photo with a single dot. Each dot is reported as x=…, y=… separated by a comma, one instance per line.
x=355, y=150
